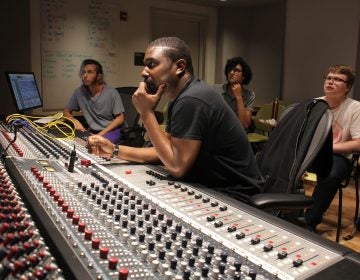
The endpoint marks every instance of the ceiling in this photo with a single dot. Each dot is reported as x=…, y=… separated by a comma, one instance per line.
x=228, y=3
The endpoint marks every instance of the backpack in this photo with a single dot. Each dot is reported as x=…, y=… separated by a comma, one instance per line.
x=297, y=144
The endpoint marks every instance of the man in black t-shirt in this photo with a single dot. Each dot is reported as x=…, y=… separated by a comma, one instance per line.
x=204, y=142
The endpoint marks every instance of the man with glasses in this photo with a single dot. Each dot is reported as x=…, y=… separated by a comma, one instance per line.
x=100, y=104
x=346, y=138
x=240, y=99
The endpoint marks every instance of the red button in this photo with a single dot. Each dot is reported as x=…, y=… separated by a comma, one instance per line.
x=95, y=243
x=18, y=266
x=104, y=251
x=65, y=207
x=123, y=273
x=56, y=196
x=88, y=234
x=113, y=263
x=60, y=201
x=75, y=220
x=48, y=267
x=85, y=162
x=81, y=227
x=70, y=213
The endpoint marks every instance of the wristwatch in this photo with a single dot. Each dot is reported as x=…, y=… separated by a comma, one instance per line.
x=116, y=151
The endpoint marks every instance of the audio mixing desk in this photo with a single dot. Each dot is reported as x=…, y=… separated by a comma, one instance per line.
x=117, y=220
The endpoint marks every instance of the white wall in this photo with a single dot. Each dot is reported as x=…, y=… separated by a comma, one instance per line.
x=135, y=36
x=318, y=34
x=256, y=34
x=136, y=33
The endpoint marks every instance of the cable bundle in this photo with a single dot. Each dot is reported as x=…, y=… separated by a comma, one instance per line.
x=62, y=127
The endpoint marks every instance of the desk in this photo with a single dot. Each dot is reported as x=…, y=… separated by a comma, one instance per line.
x=257, y=141
x=256, y=138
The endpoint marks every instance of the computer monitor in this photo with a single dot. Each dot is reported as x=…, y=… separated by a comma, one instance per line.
x=24, y=90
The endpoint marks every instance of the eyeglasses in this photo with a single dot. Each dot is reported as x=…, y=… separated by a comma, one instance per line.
x=235, y=70
x=336, y=80
x=87, y=72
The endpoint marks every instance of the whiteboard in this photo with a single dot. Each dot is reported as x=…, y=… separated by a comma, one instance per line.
x=72, y=31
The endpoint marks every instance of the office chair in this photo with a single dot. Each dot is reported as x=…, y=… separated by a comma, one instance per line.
x=263, y=129
x=302, y=138
x=132, y=131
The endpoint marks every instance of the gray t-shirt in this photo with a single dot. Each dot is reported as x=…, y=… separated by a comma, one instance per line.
x=99, y=111
x=247, y=95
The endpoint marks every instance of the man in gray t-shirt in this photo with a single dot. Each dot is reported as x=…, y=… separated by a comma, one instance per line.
x=100, y=104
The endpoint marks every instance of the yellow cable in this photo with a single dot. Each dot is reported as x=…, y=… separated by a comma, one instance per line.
x=58, y=124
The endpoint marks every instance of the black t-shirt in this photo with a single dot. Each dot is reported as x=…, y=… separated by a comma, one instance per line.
x=226, y=161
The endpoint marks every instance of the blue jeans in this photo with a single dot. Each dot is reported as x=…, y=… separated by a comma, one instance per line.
x=326, y=189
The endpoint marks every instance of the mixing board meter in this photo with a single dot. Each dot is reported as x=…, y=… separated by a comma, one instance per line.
x=107, y=220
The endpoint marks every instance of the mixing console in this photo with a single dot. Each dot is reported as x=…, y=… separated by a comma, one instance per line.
x=116, y=220
x=23, y=251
